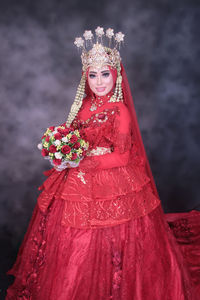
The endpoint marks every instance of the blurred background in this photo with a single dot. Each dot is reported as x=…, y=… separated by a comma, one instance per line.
x=40, y=69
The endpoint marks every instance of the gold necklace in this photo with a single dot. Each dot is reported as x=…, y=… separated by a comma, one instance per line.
x=94, y=105
x=100, y=101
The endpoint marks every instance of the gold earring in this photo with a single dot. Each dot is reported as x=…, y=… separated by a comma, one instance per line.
x=77, y=101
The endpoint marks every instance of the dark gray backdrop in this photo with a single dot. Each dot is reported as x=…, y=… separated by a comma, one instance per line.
x=40, y=70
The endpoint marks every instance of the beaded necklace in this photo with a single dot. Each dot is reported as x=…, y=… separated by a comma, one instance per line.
x=98, y=101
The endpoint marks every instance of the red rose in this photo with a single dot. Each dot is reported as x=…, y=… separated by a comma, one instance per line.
x=47, y=139
x=74, y=156
x=84, y=152
x=66, y=131
x=44, y=152
x=101, y=116
x=63, y=131
x=43, y=136
x=58, y=136
x=77, y=145
x=117, y=277
x=60, y=130
x=51, y=128
x=73, y=139
x=52, y=149
x=65, y=149
x=57, y=161
x=64, y=125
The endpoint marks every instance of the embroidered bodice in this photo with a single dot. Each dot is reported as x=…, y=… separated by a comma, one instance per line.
x=108, y=126
x=110, y=186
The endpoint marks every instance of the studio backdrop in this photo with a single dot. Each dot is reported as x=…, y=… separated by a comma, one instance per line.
x=40, y=71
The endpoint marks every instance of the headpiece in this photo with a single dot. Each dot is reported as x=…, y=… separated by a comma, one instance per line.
x=98, y=56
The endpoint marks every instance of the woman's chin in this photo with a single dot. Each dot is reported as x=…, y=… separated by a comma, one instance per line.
x=102, y=93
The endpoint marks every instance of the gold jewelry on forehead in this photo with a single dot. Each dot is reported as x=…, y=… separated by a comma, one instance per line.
x=100, y=56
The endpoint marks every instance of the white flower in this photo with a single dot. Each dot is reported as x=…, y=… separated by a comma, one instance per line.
x=119, y=37
x=39, y=146
x=99, y=31
x=57, y=142
x=54, y=132
x=65, y=139
x=79, y=42
x=109, y=33
x=58, y=155
x=88, y=35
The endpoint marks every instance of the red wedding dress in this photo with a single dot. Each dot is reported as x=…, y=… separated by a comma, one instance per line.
x=98, y=231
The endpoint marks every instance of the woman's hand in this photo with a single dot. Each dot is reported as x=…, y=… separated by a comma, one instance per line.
x=59, y=169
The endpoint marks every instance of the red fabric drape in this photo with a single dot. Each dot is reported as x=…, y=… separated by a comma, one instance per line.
x=137, y=139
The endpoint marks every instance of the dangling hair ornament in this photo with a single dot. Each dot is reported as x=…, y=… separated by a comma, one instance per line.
x=109, y=34
x=78, y=100
x=98, y=56
x=119, y=38
x=88, y=35
x=99, y=33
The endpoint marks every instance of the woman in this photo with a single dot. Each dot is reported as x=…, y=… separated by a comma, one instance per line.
x=98, y=230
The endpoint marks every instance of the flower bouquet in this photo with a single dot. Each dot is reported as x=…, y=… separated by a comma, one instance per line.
x=63, y=147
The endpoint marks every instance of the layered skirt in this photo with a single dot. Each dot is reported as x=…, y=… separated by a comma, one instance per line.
x=137, y=260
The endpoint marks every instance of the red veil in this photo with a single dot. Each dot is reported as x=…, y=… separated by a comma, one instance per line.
x=185, y=226
x=135, y=127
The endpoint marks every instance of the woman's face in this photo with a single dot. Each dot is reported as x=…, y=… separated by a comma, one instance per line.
x=100, y=80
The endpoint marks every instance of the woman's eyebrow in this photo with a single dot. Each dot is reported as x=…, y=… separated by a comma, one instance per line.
x=93, y=72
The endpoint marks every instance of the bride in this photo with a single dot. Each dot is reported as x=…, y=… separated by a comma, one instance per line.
x=98, y=230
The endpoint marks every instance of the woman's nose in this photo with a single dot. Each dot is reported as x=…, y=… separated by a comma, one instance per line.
x=99, y=80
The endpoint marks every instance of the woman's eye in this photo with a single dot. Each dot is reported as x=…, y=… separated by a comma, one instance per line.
x=106, y=74
x=91, y=75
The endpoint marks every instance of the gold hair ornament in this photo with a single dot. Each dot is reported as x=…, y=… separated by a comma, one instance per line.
x=77, y=101
x=100, y=55
x=118, y=95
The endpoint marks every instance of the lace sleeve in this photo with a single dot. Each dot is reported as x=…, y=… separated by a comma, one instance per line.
x=121, y=141
x=122, y=131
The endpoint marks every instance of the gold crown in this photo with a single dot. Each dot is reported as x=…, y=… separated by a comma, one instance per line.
x=100, y=55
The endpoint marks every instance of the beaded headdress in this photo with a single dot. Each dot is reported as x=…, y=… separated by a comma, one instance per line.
x=98, y=56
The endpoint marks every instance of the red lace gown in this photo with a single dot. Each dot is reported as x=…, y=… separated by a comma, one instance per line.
x=98, y=231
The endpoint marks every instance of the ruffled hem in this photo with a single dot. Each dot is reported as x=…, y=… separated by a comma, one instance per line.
x=135, y=260
x=186, y=229
x=76, y=185
x=103, y=184
x=102, y=213
x=98, y=201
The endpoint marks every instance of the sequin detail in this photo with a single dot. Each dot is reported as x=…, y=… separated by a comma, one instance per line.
x=96, y=119
x=100, y=213
x=81, y=176
x=99, y=151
